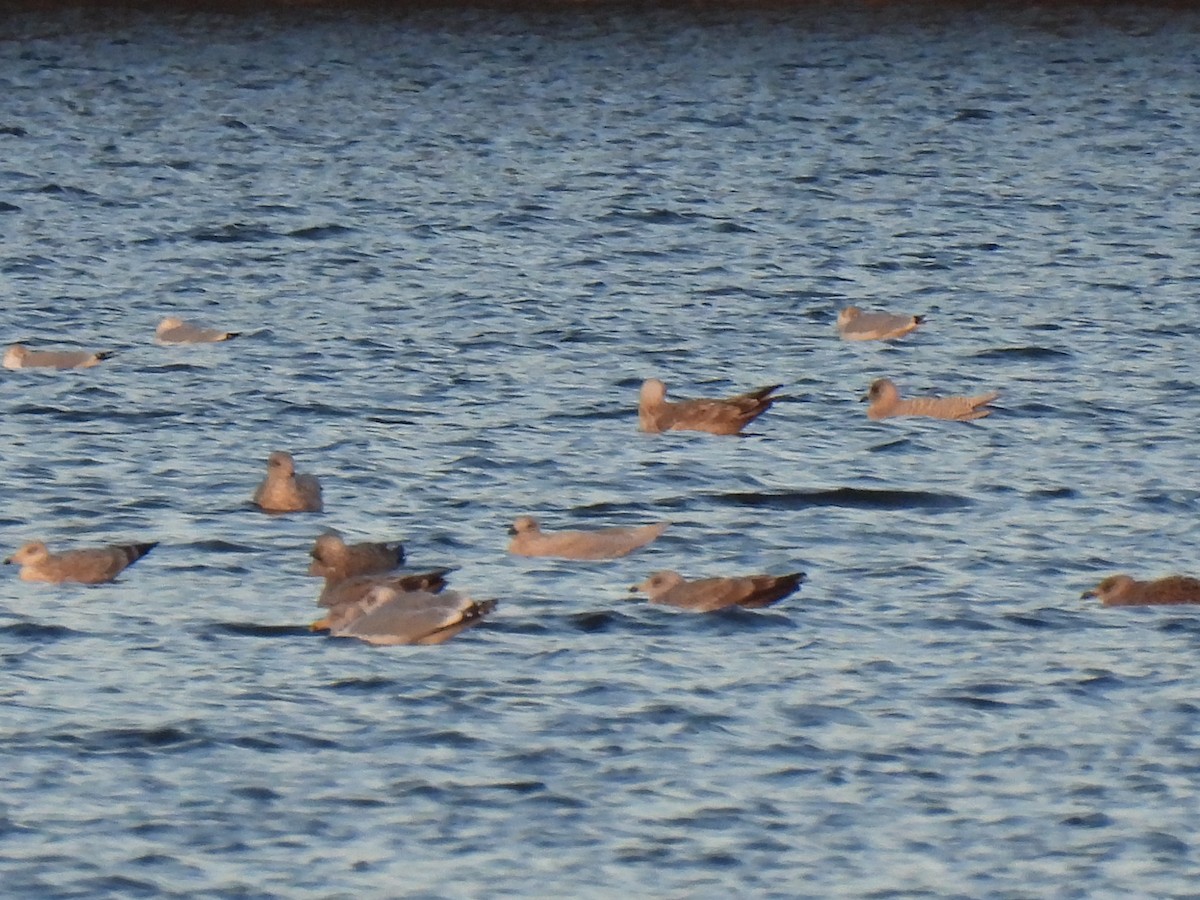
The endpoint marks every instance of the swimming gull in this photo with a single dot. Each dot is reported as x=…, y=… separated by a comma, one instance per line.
x=885, y=401
x=389, y=616
x=335, y=560
x=285, y=491
x=854, y=324
x=604, y=543
x=1123, y=590
x=715, y=416
x=18, y=356
x=173, y=330
x=708, y=594
x=340, y=597
x=91, y=565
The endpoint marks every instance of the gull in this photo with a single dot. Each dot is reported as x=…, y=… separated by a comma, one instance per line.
x=335, y=560
x=389, y=616
x=716, y=416
x=285, y=491
x=92, y=565
x=708, y=594
x=18, y=356
x=854, y=324
x=603, y=543
x=341, y=597
x=885, y=401
x=173, y=330
x=1122, y=590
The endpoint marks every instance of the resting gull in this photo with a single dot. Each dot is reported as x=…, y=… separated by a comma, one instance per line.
x=92, y=565
x=855, y=324
x=715, y=416
x=283, y=490
x=18, y=356
x=1123, y=590
x=604, y=543
x=708, y=594
x=885, y=402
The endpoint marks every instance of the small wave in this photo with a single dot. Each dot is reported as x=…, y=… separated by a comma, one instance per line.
x=852, y=498
x=1023, y=353
x=233, y=233
x=363, y=685
x=253, y=629
x=319, y=232
x=35, y=632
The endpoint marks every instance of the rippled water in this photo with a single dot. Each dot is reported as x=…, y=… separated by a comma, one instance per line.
x=457, y=240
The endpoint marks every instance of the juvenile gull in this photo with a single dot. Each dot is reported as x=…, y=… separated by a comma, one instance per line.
x=1122, y=590
x=285, y=491
x=885, y=402
x=854, y=324
x=388, y=616
x=18, y=356
x=173, y=330
x=708, y=594
x=93, y=565
x=716, y=416
x=335, y=560
x=341, y=597
x=604, y=543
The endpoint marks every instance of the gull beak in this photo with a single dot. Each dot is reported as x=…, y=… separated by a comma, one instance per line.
x=320, y=625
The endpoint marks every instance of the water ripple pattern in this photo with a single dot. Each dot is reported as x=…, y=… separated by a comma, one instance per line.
x=455, y=241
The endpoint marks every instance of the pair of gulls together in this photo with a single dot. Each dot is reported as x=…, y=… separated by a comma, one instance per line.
x=730, y=415
x=171, y=330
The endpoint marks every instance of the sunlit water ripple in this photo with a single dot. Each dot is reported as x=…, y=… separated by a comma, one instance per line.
x=457, y=241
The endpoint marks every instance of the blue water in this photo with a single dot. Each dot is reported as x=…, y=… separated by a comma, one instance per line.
x=457, y=240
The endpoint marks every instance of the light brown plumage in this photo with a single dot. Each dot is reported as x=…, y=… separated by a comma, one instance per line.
x=715, y=416
x=387, y=616
x=708, y=594
x=855, y=324
x=173, y=330
x=92, y=565
x=341, y=597
x=886, y=402
x=335, y=560
x=18, y=356
x=1123, y=590
x=285, y=491
x=603, y=543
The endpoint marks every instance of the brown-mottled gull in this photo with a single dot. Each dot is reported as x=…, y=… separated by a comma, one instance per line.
x=715, y=416
x=283, y=490
x=604, y=543
x=173, y=330
x=91, y=565
x=886, y=402
x=708, y=594
x=855, y=324
x=18, y=356
x=1123, y=590
x=335, y=560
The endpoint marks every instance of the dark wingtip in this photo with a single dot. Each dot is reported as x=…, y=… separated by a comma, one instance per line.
x=106, y=354
x=919, y=319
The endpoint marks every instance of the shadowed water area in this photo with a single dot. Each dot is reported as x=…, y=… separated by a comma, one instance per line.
x=455, y=241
